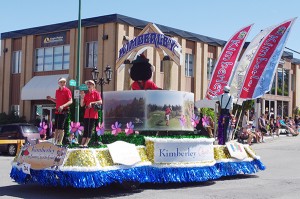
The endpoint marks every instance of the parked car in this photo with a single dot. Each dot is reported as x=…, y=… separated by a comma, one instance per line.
x=28, y=132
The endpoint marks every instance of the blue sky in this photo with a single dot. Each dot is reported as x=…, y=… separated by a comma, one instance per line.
x=219, y=19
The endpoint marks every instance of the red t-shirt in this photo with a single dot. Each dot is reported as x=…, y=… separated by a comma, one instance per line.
x=88, y=98
x=62, y=96
x=168, y=111
x=145, y=85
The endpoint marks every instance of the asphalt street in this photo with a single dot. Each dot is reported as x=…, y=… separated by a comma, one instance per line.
x=281, y=179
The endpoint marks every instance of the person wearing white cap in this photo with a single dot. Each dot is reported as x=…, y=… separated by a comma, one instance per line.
x=89, y=101
x=226, y=105
x=63, y=99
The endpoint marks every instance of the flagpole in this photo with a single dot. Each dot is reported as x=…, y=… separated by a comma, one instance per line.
x=78, y=61
x=238, y=120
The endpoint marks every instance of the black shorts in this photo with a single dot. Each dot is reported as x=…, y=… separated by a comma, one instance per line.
x=60, y=120
x=263, y=130
x=89, y=127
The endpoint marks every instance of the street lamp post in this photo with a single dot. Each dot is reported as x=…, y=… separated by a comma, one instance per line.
x=102, y=81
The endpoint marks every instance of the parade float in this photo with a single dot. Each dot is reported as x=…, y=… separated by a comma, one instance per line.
x=179, y=156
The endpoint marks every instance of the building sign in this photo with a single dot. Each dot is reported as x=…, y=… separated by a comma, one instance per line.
x=158, y=40
x=150, y=36
x=53, y=39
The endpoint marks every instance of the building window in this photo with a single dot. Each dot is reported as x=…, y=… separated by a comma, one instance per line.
x=66, y=58
x=91, y=54
x=161, y=66
x=16, y=62
x=189, y=65
x=273, y=86
x=282, y=108
x=210, y=67
x=280, y=81
x=283, y=82
x=285, y=108
x=15, y=109
x=52, y=58
x=48, y=59
x=279, y=108
x=293, y=82
x=286, y=74
x=58, y=58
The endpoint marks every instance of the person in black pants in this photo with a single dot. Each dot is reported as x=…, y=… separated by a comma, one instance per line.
x=226, y=105
x=88, y=101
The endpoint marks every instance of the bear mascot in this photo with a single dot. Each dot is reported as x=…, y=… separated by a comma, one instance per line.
x=141, y=73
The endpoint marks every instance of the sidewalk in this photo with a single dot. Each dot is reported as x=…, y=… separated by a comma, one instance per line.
x=272, y=137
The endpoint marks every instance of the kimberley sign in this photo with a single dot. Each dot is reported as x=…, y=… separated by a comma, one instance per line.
x=153, y=37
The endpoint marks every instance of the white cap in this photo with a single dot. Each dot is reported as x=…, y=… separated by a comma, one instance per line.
x=89, y=81
x=226, y=88
x=62, y=79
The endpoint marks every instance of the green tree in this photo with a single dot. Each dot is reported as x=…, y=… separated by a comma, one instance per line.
x=11, y=118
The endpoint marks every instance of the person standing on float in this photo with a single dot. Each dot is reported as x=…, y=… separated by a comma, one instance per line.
x=63, y=99
x=89, y=100
x=226, y=105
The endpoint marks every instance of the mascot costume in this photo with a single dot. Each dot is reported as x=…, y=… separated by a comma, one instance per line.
x=141, y=73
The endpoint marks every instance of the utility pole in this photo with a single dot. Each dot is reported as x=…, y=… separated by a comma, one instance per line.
x=78, y=62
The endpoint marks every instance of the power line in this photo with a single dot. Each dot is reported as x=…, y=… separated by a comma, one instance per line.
x=292, y=50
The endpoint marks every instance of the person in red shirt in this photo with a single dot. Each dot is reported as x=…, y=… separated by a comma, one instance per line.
x=90, y=114
x=167, y=115
x=144, y=85
x=141, y=73
x=63, y=99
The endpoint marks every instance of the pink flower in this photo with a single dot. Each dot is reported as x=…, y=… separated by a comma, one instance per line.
x=194, y=120
x=43, y=127
x=116, y=128
x=182, y=121
x=100, y=129
x=129, y=129
x=75, y=128
x=205, y=121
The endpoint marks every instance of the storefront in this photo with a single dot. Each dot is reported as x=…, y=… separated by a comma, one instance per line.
x=279, y=101
x=33, y=59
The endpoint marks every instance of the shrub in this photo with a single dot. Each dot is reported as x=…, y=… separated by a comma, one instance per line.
x=11, y=118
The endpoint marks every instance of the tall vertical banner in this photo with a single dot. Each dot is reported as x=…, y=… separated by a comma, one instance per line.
x=226, y=62
x=237, y=78
x=261, y=71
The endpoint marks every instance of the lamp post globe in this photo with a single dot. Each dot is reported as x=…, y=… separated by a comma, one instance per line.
x=108, y=73
x=95, y=74
x=102, y=81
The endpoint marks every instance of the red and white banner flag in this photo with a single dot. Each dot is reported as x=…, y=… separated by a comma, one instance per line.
x=260, y=73
x=237, y=78
x=226, y=62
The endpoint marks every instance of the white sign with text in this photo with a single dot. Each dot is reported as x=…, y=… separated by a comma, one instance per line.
x=76, y=94
x=172, y=152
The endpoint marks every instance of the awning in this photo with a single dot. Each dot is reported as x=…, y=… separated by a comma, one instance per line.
x=39, y=87
x=205, y=103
